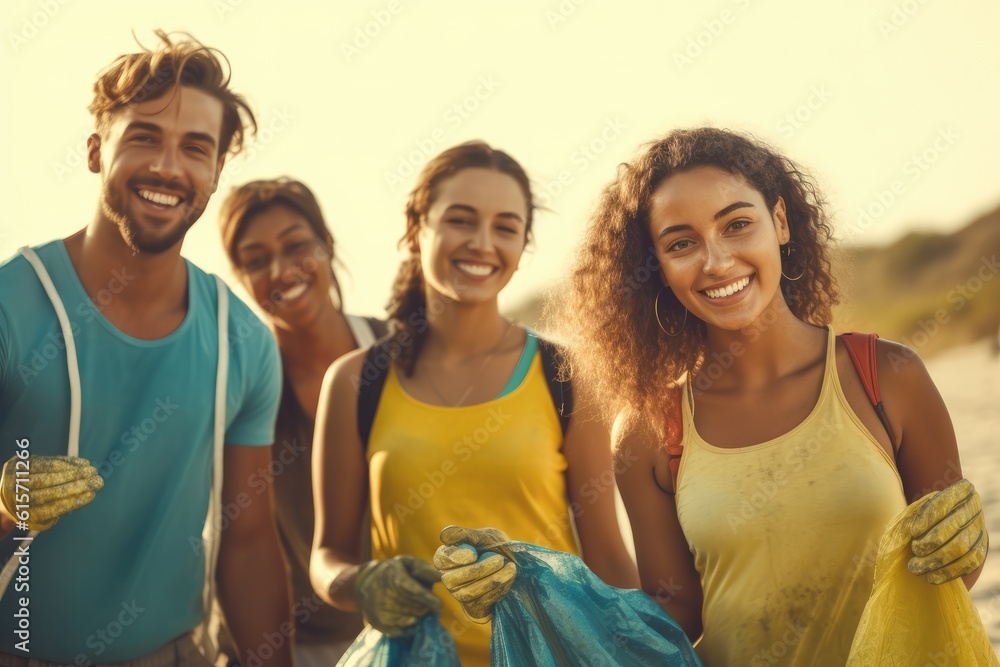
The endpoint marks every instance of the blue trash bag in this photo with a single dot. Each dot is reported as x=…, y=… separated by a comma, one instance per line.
x=559, y=613
x=428, y=645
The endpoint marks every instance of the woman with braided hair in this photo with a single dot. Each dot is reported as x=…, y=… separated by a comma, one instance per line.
x=456, y=418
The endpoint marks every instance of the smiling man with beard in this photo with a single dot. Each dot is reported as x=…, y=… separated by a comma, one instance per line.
x=126, y=575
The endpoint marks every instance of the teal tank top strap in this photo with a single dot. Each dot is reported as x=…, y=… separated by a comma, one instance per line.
x=523, y=364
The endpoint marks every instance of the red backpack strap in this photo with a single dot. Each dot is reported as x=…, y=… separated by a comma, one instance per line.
x=673, y=446
x=861, y=347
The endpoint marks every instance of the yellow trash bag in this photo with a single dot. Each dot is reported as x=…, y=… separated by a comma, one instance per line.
x=909, y=622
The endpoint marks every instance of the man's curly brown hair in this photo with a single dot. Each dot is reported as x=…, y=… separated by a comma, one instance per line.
x=607, y=318
x=154, y=73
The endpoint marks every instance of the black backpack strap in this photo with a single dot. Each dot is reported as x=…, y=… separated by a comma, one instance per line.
x=561, y=390
x=379, y=327
x=374, y=372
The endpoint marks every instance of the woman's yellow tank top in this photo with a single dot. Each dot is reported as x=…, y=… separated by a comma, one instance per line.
x=498, y=464
x=785, y=533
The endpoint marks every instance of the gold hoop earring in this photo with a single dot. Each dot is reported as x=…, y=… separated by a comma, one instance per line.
x=656, y=311
x=787, y=250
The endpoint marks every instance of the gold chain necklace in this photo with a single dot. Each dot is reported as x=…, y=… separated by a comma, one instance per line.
x=489, y=356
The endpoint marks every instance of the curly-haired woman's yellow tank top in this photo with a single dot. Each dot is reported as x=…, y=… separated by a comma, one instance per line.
x=785, y=533
x=497, y=464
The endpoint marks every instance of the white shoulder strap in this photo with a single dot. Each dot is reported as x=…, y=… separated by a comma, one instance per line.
x=73, y=438
x=361, y=330
x=212, y=533
x=73, y=445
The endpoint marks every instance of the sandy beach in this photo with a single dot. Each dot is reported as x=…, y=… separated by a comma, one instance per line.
x=969, y=381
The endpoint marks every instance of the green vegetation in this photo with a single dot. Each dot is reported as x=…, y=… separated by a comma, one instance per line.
x=928, y=291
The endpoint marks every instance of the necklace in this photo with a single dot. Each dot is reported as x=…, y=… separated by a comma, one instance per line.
x=489, y=355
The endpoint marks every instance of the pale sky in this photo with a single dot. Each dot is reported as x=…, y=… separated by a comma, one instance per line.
x=892, y=104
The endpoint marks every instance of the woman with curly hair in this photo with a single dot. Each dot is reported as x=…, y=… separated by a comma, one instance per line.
x=455, y=419
x=762, y=477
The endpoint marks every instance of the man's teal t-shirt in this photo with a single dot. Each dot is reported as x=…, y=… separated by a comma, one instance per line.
x=122, y=576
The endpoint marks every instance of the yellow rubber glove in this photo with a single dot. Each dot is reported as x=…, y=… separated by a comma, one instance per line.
x=47, y=487
x=949, y=534
x=473, y=573
x=396, y=593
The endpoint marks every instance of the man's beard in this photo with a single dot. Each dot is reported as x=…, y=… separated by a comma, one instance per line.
x=134, y=236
